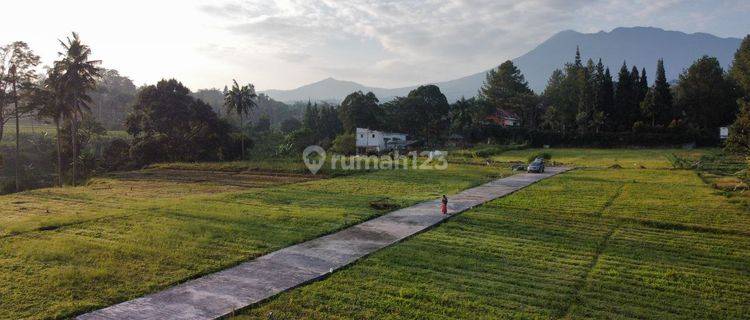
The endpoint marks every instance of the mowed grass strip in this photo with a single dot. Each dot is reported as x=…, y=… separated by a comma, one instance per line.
x=651, y=273
x=480, y=265
x=672, y=199
x=133, y=243
x=566, y=247
x=604, y=158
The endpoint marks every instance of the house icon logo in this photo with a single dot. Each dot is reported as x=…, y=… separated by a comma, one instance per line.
x=314, y=157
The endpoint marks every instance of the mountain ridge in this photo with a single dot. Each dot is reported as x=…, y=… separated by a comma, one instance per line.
x=640, y=46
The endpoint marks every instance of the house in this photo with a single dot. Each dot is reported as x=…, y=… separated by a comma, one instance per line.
x=373, y=141
x=504, y=118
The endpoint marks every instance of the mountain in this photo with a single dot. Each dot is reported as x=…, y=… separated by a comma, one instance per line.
x=640, y=46
x=332, y=90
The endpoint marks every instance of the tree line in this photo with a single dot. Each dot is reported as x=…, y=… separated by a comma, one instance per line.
x=168, y=122
x=583, y=101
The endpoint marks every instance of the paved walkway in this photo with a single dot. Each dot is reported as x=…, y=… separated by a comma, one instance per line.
x=221, y=293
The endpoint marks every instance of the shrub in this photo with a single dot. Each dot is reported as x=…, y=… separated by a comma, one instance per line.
x=116, y=155
x=345, y=144
x=679, y=162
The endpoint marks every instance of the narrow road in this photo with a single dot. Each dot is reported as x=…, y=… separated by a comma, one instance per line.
x=221, y=293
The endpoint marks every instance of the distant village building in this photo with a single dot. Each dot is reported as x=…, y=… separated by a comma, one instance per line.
x=504, y=118
x=373, y=141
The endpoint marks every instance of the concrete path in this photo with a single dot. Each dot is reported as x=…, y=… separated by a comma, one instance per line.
x=221, y=293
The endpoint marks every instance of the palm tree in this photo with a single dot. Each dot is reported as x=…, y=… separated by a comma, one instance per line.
x=78, y=75
x=240, y=100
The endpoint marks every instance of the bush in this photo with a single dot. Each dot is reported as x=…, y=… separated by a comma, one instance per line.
x=116, y=155
x=679, y=162
x=345, y=144
x=301, y=139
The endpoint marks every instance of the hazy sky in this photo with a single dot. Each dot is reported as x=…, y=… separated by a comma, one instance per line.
x=287, y=43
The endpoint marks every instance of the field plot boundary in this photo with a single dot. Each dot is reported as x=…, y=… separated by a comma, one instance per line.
x=222, y=293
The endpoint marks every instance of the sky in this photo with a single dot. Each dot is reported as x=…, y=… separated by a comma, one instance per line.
x=283, y=44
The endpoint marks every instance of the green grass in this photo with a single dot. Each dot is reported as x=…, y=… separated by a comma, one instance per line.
x=602, y=158
x=66, y=251
x=43, y=130
x=593, y=243
x=603, y=243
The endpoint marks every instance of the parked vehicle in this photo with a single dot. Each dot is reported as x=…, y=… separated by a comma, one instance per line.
x=536, y=166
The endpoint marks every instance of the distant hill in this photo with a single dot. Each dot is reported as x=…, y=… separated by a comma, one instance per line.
x=331, y=90
x=641, y=46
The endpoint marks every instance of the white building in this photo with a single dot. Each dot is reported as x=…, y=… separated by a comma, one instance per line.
x=723, y=133
x=373, y=141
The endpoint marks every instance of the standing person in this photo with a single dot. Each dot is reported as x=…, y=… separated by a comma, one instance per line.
x=444, y=205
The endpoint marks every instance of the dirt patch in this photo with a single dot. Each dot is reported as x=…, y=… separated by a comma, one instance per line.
x=730, y=184
x=385, y=204
x=243, y=179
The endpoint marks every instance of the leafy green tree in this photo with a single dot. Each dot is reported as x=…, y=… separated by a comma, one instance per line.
x=706, y=95
x=263, y=125
x=289, y=125
x=423, y=113
x=311, y=117
x=168, y=124
x=506, y=88
x=739, y=133
x=461, y=114
x=345, y=144
x=329, y=123
x=79, y=75
x=740, y=71
x=49, y=103
x=112, y=98
x=19, y=61
x=240, y=100
x=360, y=110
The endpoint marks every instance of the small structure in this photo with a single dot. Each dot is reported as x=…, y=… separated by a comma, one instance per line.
x=723, y=133
x=373, y=141
x=504, y=118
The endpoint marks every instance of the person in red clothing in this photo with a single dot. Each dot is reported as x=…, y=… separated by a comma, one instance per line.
x=444, y=206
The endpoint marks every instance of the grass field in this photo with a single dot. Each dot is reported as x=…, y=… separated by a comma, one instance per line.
x=603, y=158
x=595, y=242
x=592, y=243
x=44, y=130
x=66, y=251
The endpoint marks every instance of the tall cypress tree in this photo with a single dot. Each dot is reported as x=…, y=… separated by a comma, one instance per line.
x=624, y=110
x=635, y=99
x=663, y=109
x=606, y=96
x=586, y=98
x=505, y=88
x=642, y=85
